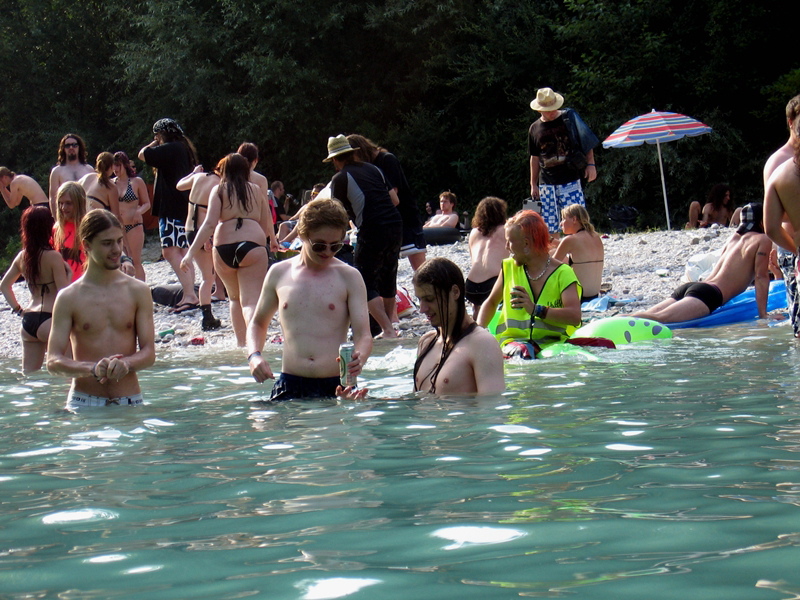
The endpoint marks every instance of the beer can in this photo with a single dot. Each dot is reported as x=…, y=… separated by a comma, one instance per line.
x=345, y=356
x=166, y=332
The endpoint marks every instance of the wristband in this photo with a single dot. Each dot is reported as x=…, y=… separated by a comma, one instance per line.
x=590, y=165
x=256, y=353
x=125, y=259
x=539, y=311
x=94, y=374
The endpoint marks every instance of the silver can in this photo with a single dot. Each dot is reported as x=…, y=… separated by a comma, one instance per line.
x=345, y=356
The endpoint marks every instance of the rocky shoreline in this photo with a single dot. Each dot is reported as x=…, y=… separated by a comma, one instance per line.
x=641, y=266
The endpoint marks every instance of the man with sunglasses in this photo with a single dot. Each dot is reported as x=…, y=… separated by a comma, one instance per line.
x=317, y=298
x=71, y=165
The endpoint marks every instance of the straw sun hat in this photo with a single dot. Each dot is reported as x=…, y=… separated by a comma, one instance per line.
x=336, y=146
x=547, y=100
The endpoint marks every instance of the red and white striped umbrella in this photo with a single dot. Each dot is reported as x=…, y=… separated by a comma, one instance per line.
x=653, y=128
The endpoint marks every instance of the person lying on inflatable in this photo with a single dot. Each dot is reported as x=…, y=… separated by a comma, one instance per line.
x=540, y=295
x=745, y=257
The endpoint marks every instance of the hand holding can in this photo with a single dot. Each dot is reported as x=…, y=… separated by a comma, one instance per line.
x=345, y=356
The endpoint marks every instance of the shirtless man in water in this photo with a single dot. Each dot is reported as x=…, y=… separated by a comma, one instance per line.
x=16, y=187
x=317, y=297
x=71, y=165
x=744, y=257
x=107, y=317
x=458, y=357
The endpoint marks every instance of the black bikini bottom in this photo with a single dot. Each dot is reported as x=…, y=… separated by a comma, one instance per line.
x=233, y=254
x=32, y=321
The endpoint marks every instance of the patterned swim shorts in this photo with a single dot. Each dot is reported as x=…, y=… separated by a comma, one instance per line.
x=556, y=198
x=172, y=232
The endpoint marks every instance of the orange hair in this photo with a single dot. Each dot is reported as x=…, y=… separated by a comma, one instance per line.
x=533, y=228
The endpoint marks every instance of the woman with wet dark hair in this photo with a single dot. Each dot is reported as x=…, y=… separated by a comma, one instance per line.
x=458, y=357
x=45, y=274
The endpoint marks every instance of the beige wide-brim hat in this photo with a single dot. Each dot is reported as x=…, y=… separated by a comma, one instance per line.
x=338, y=145
x=547, y=100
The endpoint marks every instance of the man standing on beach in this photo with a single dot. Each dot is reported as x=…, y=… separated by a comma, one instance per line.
x=102, y=330
x=787, y=260
x=561, y=149
x=363, y=190
x=458, y=357
x=317, y=297
x=173, y=154
x=745, y=257
x=71, y=165
x=16, y=187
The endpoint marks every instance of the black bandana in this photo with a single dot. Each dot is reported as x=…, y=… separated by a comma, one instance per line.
x=167, y=126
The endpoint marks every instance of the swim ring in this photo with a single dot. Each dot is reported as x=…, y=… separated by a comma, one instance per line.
x=437, y=236
x=624, y=330
x=739, y=308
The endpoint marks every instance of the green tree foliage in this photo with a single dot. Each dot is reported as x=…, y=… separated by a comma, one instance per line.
x=444, y=84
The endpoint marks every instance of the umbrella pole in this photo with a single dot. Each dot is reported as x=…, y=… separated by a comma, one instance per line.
x=663, y=185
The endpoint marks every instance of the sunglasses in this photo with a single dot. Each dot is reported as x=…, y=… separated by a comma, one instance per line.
x=322, y=246
x=71, y=145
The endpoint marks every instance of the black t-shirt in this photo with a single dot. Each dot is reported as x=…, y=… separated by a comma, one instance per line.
x=173, y=162
x=549, y=141
x=388, y=163
x=364, y=191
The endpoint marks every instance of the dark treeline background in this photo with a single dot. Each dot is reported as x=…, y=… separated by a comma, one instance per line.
x=444, y=84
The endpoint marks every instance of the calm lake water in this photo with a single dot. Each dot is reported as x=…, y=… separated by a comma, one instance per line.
x=669, y=470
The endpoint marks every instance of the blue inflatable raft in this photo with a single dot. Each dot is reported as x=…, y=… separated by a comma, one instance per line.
x=739, y=308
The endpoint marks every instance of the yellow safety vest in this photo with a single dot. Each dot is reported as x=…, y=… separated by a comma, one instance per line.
x=515, y=323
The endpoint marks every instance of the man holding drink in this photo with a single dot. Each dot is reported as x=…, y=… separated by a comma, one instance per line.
x=317, y=298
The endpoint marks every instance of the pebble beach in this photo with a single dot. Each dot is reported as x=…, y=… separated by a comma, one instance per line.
x=642, y=268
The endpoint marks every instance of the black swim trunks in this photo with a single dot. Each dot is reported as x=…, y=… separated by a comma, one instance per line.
x=707, y=293
x=477, y=293
x=295, y=387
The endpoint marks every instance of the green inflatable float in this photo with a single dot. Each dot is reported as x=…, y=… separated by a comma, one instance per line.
x=625, y=330
x=620, y=330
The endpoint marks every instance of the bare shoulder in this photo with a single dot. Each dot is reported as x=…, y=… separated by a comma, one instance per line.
x=347, y=271
x=425, y=340
x=258, y=179
x=482, y=338
x=764, y=242
x=280, y=268
x=137, y=287
x=51, y=258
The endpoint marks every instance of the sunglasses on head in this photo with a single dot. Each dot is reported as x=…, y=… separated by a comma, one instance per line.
x=71, y=145
x=322, y=246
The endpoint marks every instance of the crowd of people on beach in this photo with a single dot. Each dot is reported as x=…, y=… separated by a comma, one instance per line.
x=90, y=316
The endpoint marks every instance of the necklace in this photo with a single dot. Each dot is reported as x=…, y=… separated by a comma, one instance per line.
x=539, y=276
